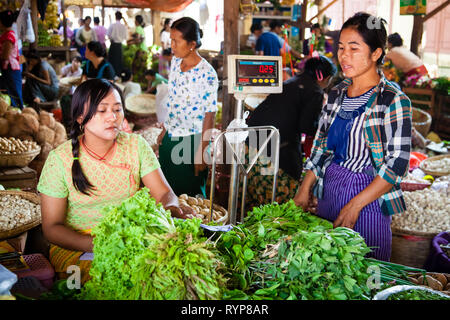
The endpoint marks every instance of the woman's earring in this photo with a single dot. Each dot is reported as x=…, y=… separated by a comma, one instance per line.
x=81, y=127
x=191, y=49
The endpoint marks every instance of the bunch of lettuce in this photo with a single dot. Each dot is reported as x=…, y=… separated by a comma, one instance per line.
x=141, y=252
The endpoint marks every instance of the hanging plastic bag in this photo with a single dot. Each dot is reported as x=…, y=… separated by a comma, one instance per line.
x=162, y=94
x=7, y=281
x=237, y=137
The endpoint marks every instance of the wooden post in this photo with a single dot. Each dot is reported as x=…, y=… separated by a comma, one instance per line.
x=103, y=12
x=156, y=22
x=416, y=38
x=303, y=19
x=419, y=20
x=63, y=9
x=230, y=46
x=34, y=12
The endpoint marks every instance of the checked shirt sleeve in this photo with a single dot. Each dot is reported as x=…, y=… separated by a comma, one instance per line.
x=397, y=129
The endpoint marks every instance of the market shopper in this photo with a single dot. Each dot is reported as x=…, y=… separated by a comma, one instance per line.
x=403, y=59
x=41, y=83
x=11, y=75
x=192, y=104
x=117, y=33
x=293, y=112
x=84, y=35
x=362, y=147
x=97, y=66
x=165, y=34
x=153, y=79
x=130, y=88
x=99, y=166
x=100, y=31
x=73, y=69
x=271, y=44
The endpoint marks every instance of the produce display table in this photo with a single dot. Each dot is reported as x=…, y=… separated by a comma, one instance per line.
x=14, y=177
x=65, y=51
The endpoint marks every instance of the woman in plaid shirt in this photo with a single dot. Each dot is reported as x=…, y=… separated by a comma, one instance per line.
x=362, y=147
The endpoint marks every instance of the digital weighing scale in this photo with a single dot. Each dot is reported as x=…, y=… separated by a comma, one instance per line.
x=248, y=75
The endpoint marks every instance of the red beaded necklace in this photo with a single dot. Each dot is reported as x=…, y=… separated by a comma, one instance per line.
x=95, y=155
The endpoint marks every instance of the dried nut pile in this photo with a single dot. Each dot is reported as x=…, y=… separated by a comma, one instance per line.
x=16, y=146
x=17, y=211
x=441, y=165
x=200, y=207
x=151, y=135
x=426, y=211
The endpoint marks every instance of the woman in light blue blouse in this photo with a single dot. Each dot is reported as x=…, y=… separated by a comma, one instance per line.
x=192, y=105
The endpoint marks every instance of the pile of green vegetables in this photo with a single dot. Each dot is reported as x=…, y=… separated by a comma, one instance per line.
x=282, y=252
x=412, y=294
x=141, y=252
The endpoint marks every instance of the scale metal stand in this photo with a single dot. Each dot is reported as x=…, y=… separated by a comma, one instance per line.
x=237, y=165
x=247, y=75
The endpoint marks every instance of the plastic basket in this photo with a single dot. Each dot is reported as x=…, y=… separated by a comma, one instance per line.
x=40, y=268
x=29, y=287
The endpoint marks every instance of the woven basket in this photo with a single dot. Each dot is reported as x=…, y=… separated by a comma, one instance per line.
x=32, y=197
x=142, y=105
x=411, y=248
x=434, y=173
x=18, y=160
x=225, y=217
x=421, y=121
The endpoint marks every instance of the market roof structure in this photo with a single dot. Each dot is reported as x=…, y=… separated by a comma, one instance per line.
x=157, y=5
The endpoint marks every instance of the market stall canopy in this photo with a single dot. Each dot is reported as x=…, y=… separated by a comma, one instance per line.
x=157, y=5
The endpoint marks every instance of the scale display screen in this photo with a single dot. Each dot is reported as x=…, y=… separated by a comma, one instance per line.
x=256, y=72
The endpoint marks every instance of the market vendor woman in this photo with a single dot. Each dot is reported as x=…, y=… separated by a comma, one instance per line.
x=192, y=105
x=362, y=147
x=99, y=166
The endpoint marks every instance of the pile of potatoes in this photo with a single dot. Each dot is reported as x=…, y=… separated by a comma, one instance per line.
x=433, y=280
x=200, y=208
x=33, y=126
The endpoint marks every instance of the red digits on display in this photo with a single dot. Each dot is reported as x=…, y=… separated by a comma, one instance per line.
x=265, y=69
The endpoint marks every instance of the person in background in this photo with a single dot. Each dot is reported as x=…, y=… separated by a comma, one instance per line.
x=69, y=31
x=73, y=43
x=362, y=146
x=164, y=63
x=130, y=88
x=293, y=112
x=72, y=69
x=139, y=33
x=11, y=77
x=117, y=33
x=153, y=79
x=165, y=34
x=192, y=106
x=41, y=83
x=100, y=31
x=97, y=66
x=320, y=44
x=85, y=35
x=403, y=58
x=99, y=165
x=271, y=44
x=256, y=30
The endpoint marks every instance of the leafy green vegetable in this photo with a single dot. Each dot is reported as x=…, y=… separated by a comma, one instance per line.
x=416, y=295
x=141, y=252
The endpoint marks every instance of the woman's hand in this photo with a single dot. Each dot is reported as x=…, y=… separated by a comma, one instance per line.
x=301, y=199
x=348, y=215
x=177, y=212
